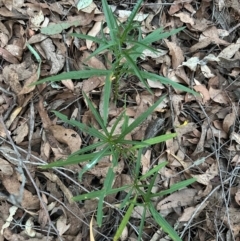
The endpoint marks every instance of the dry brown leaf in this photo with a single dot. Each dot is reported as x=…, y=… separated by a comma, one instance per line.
x=93, y=32
x=15, y=50
x=56, y=58
x=146, y=162
x=237, y=197
x=228, y=121
x=206, y=71
x=62, y=225
x=201, y=44
x=8, y=56
x=67, y=136
x=230, y=50
x=176, y=53
x=188, y=212
x=235, y=136
x=26, y=88
x=68, y=83
x=54, y=178
x=185, y=17
x=90, y=84
x=206, y=177
x=180, y=198
x=13, y=116
x=12, y=185
x=42, y=217
x=20, y=132
x=204, y=92
x=218, y=96
x=5, y=168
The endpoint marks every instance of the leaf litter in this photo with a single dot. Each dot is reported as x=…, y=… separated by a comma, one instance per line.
x=204, y=56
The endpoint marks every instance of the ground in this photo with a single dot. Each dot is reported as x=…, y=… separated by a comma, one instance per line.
x=36, y=204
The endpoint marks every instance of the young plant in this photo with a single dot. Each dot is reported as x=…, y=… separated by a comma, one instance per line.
x=126, y=44
x=116, y=146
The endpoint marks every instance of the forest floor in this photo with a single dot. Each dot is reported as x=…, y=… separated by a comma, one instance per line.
x=37, y=204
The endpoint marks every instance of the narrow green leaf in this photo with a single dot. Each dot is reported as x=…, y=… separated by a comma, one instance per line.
x=96, y=115
x=175, y=187
x=37, y=56
x=125, y=201
x=86, y=196
x=167, y=81
x=125, y=219
x=81, y=74
x=141, y=118
x=101, y=49
x=158, y=34
x=125, y=122
x=153, y=170
x=72, y=160
x=141, y=46
x=96, y=194
x=163, y=223
x=111, y=21
x=108, y=182
x=106, y=99
x=88, y=37
x=155, y=140
x=90, y=130
x=147, y=197
x=116, y=123
x=142, y=223
x=136, y=70
x=95, y=160
x=91, y=148
x=115, y=155
x=138, y=163
x=130, y=19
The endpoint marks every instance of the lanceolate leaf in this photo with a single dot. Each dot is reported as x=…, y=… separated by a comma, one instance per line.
x=141, y=118
x=167, y=81
x=81, y=74
x=163, y=223
x=90, y=130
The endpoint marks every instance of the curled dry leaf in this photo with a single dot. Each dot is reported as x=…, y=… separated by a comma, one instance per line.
x=62, y=225
x=204, y=92
x=29, y=228
x=185, y=17
x=12, y=212
x=228, y=121
x=56, y=58
x=176, y=53
x=206, y=177
x=67, y=136
x=21, y=132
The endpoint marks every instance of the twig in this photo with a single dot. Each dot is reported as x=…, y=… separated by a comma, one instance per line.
x=16, y=200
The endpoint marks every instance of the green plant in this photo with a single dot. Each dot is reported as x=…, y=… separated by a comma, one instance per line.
x=116, y=146
x=126, y=44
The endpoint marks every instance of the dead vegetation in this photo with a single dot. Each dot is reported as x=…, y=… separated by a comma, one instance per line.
x=36, y=204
